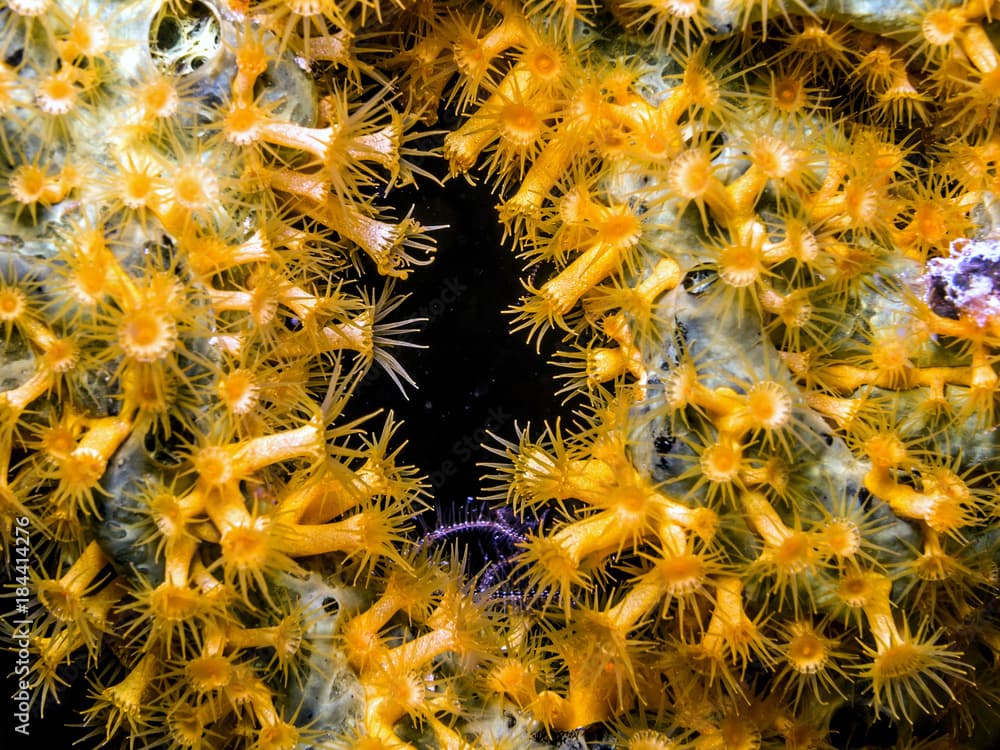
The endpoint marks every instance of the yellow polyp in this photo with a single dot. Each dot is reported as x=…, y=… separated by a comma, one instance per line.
x=541, y=177
x=843, y=411
x=59, y=439
x=647, y=593
x=983, y=377
x=551, y=708
x=302, y=442
x=354, y=335
x=105, y=435
x=681, y=573
x=981, y=51
x=315, y=141
x=666, y=275
x=603, y=531
x=31, y=185
x=617, y=226
x=41, y=335
x=934, y=563
x=414, y=654
x=588, y=701
x=323, y=500
x=768, y=407
x=842, y=538
x=211, y=255
x=589, y=268
x=701, y=521
x=335, y=48
x=76, y=600
x=55, y=651
x=364, y=647
x=208, y=673
x=380, y=239
x=129, y=694
x=904, y=500
x=606, y=364
x=730, y=632
x=886, y=450
x=901, y=100
x=474, y=55
x=722, y=461
x=462, y=149
x=227, y=511
x=276, y=734
x=380, y=147
x=285, y=638
x=807, y=651
x=16, y=400
x=765, y=519
x=309, y=186
x=746, y=189
x=463, y=146
x=902, y=661
x=952, y=505
x=178, y=553
x=692, y=178
x=246, y=542
x=231, y=299
x=352, y=535
x=85, y=570
x=586, y=479
x=616, y=328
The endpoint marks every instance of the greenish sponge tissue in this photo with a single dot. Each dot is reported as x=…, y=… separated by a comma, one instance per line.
x=760, y=237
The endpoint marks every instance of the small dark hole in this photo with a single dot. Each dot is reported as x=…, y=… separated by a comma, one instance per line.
x=168, y=35
x=864, y=497
x=664, y=443
x=697, y=280
x=262, y=84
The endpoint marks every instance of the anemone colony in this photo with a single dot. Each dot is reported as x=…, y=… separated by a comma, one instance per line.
x=764, y=234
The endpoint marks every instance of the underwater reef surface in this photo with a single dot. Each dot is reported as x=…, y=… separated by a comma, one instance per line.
x=749, y=502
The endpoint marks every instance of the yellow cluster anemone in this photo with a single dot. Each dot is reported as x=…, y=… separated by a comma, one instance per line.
x=762, y=237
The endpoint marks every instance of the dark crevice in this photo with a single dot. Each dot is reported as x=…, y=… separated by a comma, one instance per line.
x=474, y=377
